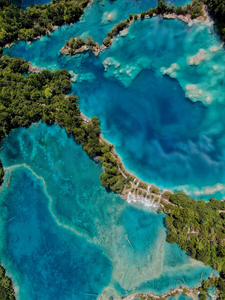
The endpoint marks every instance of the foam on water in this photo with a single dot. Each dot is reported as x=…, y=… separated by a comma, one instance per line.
x=61, y=228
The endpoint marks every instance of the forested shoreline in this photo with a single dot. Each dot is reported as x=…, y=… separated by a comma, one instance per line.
x=198, y=227
x=43, y=96
x=17, y=24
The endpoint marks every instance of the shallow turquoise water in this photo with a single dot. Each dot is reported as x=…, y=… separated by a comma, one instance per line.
x=62, y=228
x=162, y=136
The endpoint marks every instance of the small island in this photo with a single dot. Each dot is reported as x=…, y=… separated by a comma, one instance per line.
x=79, y=45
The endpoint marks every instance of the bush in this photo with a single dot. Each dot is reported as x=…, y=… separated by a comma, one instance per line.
x=107, y=42
x=170, y=9
x=119, y=27
x=167, y=194
x=130, y=178
x=154, y=190
x=71, y=51
x=185, y=292
x=160, y=210
x=150, y=12
x=135, y=17
x=131, y=16
x=202, y=296
x=143, y=15
x=180, y=11
x=128, y=186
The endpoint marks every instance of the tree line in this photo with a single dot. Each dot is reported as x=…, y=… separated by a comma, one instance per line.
x=37, y=20
x=217, y=10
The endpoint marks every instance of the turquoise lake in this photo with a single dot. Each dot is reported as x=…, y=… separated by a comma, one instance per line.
x=63, y=235
x=163, y=113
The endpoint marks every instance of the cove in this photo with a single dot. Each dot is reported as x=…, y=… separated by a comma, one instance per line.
x=161, y=125
x=64, y=236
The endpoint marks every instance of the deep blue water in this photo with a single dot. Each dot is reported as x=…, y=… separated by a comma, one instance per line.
x=60, y=228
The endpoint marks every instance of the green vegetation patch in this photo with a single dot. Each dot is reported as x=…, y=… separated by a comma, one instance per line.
x=38, y=20
x=28, y=99
x=217, y=10
x=199, y=228
x=6, y=287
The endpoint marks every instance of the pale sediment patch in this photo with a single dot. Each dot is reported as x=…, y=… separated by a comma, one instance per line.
x=210, y=190
x=208, y=100
x=109, y=16
x=170, y=70
x=213, y=49
x=196, y=94
x=205, y=190
x=197, y=58
x=130, y=277
x=124, y=32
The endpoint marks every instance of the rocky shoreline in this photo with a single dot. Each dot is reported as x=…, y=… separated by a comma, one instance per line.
x=34, y=69
x=96, y=49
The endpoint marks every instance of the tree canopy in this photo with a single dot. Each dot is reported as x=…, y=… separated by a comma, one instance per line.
x=199, y=228
x=37, y=20
x=28, y=99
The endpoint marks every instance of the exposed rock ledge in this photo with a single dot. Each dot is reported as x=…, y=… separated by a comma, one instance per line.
x=95, y=49
x=34, y=69
x=187, y=18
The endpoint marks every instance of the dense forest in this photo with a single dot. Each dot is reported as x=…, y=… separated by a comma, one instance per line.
x=38, y=20
x=217, y=10
x=199, y=228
